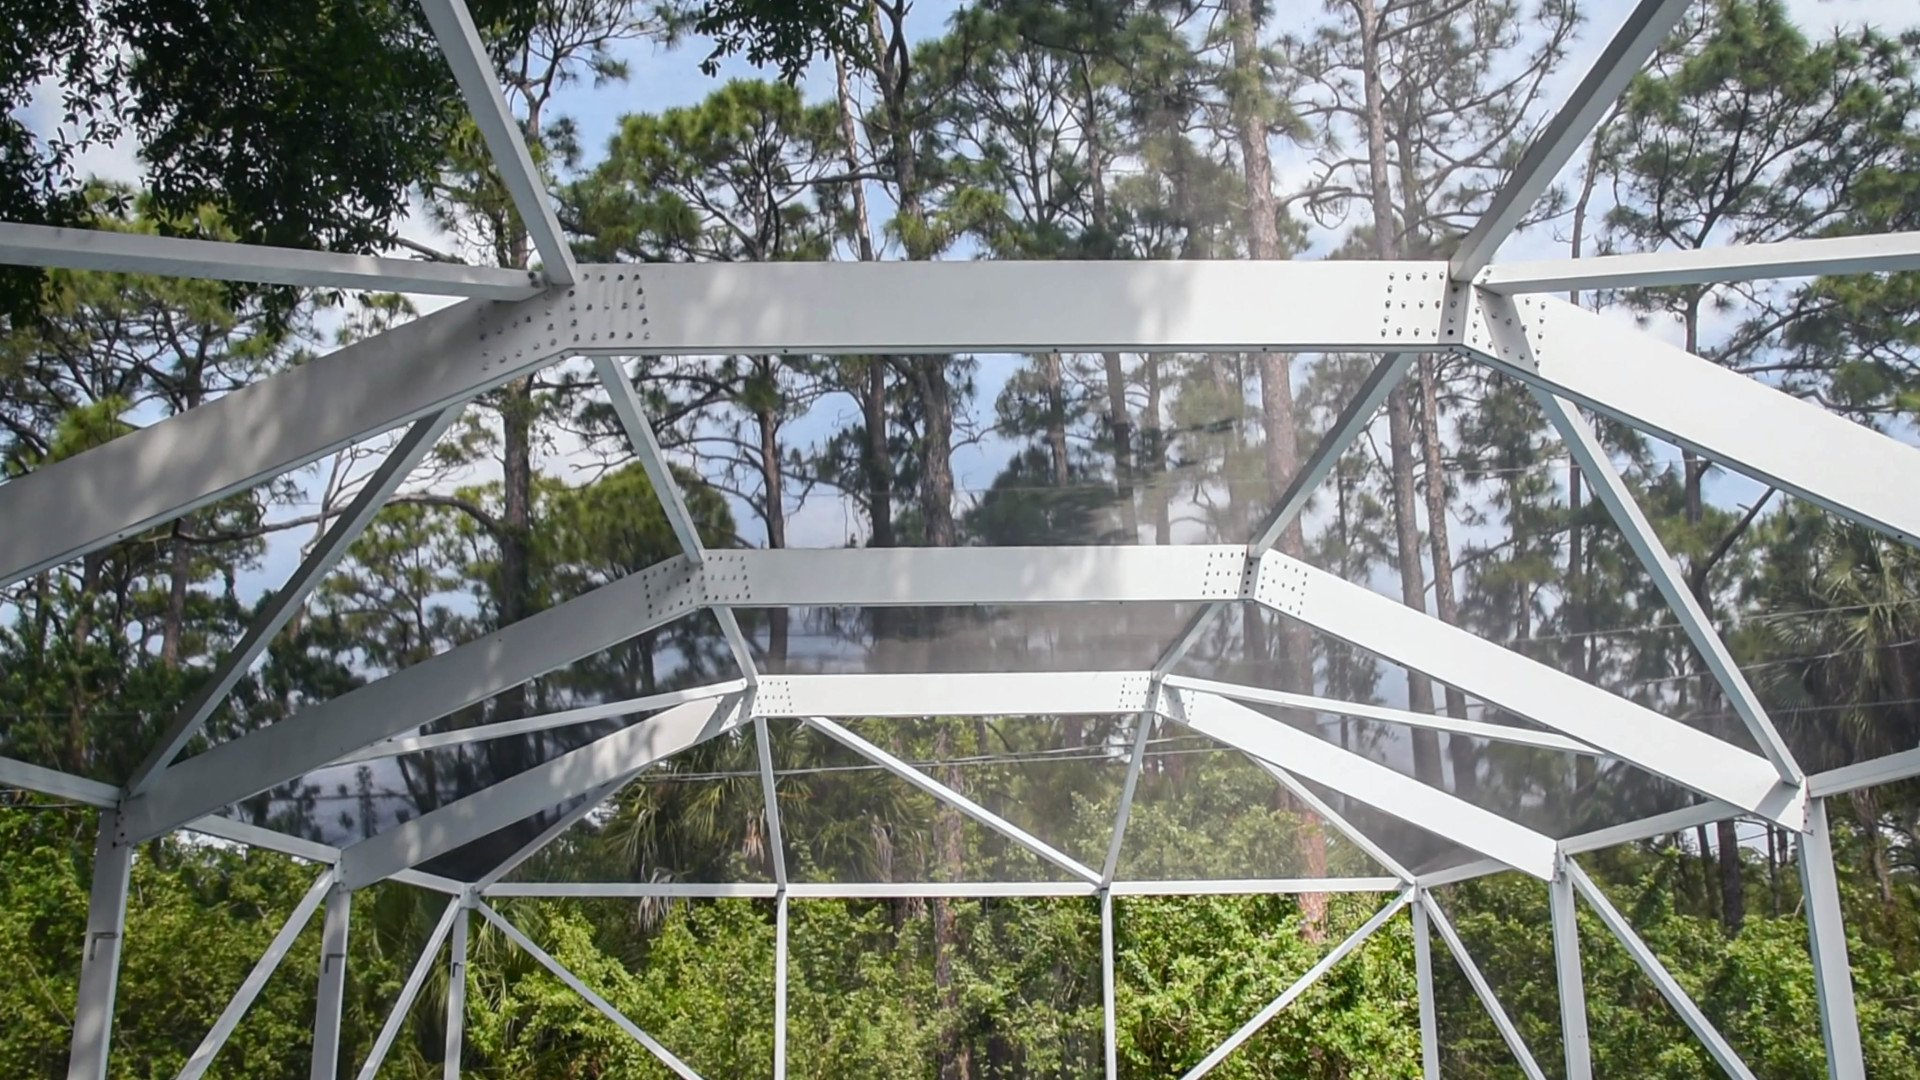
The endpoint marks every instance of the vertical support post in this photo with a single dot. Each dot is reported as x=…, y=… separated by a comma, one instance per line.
x=1566, y=964
x=780, y=987
x=333, y=984
x=457, y=991
x=100, y=960
x=1423, y=972
x=1827, y=936
x=1109, y=1021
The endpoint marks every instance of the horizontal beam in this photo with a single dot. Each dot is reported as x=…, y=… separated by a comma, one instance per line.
x=1361, y=779
x=1507, y=733
x=525, y=794
x=1687, y=817
x=169, y=256
x=1883, y=770
x=957, y=890
x=1620, y=371
x=1527, y=688
x=1022, y=693
x=1631, y=46
x=1883, y=253
x=433, y=688
x=297, y=416
x=506, y=729
x=930, y=577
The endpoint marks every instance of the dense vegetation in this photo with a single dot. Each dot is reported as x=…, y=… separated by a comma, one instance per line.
x=1011, y=129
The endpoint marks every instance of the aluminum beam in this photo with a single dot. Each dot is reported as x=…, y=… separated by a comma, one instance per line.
x=780, y=987
x=1136, y=757
x=1646, y=26
x=1882, y=254
x=1827, y=938
x=429, y=690
x=1109, y=1035
x=893, y=890
x=1669, y=987
x=953, y=798
x=1575, y=1040
x=592, y=801
x=332, y=992
x=1423, y=980
x=605, y=1007
x=1508, y=1032
x=456, y=1027
x=1346, y=828
x=417, y=978
x=523, y=795
x=473, y=71
x=1620, y=371
x=415, y=445
x=1059, y=693
x=1507, y=733
x=230, y=444
x=1361, y=779
x=1300, y=986
x=169, y=256
x=1611, y=489
x=503, y=729
x=100, y=960
x=1525, y=687
x=256, y=979
x=1884, y=770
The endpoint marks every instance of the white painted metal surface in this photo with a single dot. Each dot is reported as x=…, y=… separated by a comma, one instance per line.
x=1879, y=254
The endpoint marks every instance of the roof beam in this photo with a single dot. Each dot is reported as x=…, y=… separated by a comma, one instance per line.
x=426, y=691
x=1361, y=779
x=1622, y=372
x=1647, y=25
x=1528, y=688
x=171, y=256
x=1009, y=693
x=1882, y=254
x=473, y=71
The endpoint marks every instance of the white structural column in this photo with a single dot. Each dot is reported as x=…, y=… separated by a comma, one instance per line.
x=100, y=956
x=1423, y=976
x=172, y=256
x=1620, y=371
x=1882, y=254
x=417, y=978
x=457, y=990
x=426, y=691
x=1478, y=981
x=1528, y=688
x=605, y=1007
x=1300, y=986
x=1567, y=972
x=1362, y=779
x=1611, y=489
x=1669, y=987
x=256, y=979
x=415, y=445
x=333, y=984
x=780, y=904
x=1109, y=1015
x=1827, y=934
x=525, y=794
x=1646, y=26
x=953, y=798
x=473, y=70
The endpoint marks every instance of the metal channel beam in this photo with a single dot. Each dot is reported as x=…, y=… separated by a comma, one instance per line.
x=332, y=992
x=518, y=797
x=1525, y=687
x=601, y=1004
x=1827, y=938
x=1669, y=987
x=1622, y=372
x=1576, y=1041
x=169, y=256
x=415, y=445
x=473, y=71
x=417, y=978
x=1882, y=254
x=415, y=695
x=256, y=979
x=1507, y=733
x=953, y=798
x=1362, y=780
x=1423, y=981
x=100, y=961
x=1885, y=770
x=1300, y=986
x=283, y=422
x=1059, y=693
x=1646, y=26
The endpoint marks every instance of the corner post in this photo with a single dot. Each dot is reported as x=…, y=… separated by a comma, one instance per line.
x=1566, y=965
x=1827, y=937
x=100, y=960
x=333, y=984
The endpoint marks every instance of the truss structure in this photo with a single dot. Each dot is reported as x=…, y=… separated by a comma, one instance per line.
x=419, y=376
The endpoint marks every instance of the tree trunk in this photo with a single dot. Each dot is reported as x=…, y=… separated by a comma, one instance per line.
x=877, y=455
x=1056, y=416
x=179, y=572
x=775, y=513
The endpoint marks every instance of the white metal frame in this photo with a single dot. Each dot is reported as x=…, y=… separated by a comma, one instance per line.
x=514, y=321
